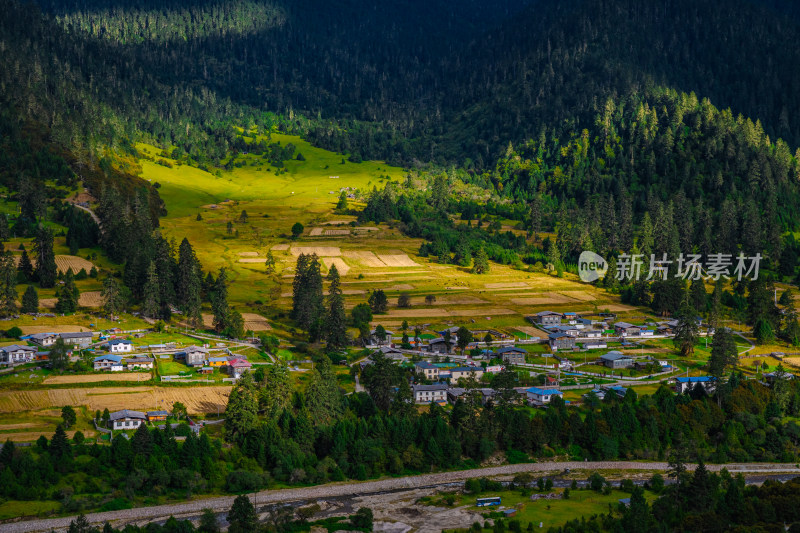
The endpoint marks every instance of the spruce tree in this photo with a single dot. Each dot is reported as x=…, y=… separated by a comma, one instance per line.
x=189, y=283
x=299, y=287
x=698, y=296
x=46, y=269
x=686, y=332
x=150, y=302
x=25, y=267
x=8, y=285
x=219, y=301
x=336, y=319
x=30, y=300
x=67, y=294
x=723, y=353
x=323, y=397
x=113, y=298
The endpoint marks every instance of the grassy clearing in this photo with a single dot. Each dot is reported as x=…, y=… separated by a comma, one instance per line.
x=551, y=513
x=18, y=509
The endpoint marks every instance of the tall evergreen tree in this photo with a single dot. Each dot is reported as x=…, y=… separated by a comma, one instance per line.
x=30, y=300
x=8, y=285
x=686, y=332
x=151, y=301
x=113, y=297
x=67, y=294
x=219, y=301
x=723, y=353
x=189, y=283
x=25, y=267
x=323, y=397
x=336, y=319
x=46, y=269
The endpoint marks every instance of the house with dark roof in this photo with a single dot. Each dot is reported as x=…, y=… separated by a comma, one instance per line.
x=487, y=394
x=430, y=393
x=624, y=329
x=78, y=339
x=547, y=318
x=16, y=354
x=43, y=339
x=511, y=354
x=561, y=341
x=157, y=415
x=195, y=355
x=440, y=345
x=616, y=359
x=119, y=346
x=430, y=371
x=140, y=361
x=126, y=419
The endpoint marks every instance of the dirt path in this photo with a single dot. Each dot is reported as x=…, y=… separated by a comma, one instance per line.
x=334, y=490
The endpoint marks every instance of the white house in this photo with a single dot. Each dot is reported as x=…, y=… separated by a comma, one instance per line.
x=141, y=361
x=430, y=393
x=108, y=362
x=44, y=339
x=15, y=354
x=120, y=346
x=126, y=419
x=537, y=396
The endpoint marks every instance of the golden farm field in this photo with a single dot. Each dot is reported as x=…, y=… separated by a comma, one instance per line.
x=197, y=399
x=97, y=378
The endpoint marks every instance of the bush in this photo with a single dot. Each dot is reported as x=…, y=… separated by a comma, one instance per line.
x=243, y=480
x=183, y=430
x=596, y=482
x=14, y=332
x=657, y=483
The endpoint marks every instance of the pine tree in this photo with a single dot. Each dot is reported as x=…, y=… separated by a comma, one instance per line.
x=242, y=517
x=30, y=300
x=46, y=269
x=25, y=267
x=276, y=394
x=241, y=414
x=698, y=297
x=686, y=332
x=323, y=397
x=219, y=301
x=341, y=205
x=150, y=302
x=189, y=283
x=336, y=320
x=113, y=298
x=8, y=285
x=723, y=353
x=715, y=312
x=60, y=448
x=67, y=294
x=481, y=262
x=299, y=288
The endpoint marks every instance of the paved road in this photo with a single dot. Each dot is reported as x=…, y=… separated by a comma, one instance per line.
x=333, y=490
